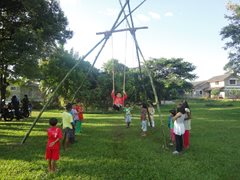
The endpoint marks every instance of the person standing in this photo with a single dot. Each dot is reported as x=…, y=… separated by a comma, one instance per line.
x=25, y=106
x=15, y=104
x=151, y=111
x=80, y=110
x=179, y=128
x=128, y=118
x=187, y=125
x=53, y=144
x=67, y=127
x=144, y=119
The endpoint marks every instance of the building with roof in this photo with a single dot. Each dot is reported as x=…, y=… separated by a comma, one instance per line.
x=226, y=86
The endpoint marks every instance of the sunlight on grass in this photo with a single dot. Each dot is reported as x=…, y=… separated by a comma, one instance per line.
x=226, y=120
x=106, y=149
x=226, y=108
x=101, y=124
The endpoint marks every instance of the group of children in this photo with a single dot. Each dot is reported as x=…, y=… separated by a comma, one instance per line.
x=118, y=104
x=179, y=123
x=72, y=119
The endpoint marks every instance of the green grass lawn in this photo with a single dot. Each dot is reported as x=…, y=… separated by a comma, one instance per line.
x=108, y=150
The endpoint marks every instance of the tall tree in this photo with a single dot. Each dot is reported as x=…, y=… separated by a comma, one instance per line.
x=231, y=32
x=171, y=76
x=57, y=65
x=29, y=30
x=119, y=70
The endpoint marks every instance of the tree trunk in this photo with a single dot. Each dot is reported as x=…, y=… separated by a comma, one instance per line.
x=3, y=86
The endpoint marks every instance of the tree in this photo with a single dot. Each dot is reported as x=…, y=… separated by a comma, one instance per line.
x=171, y=76
x=57, y=65
x=118, y=68
x=231, y=32
x=30, y=30
x=215, y=93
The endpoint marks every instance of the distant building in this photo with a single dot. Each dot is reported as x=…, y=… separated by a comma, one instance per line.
x=225, y=84
x=31, y=89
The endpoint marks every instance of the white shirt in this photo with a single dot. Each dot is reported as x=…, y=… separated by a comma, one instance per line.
x=179, y=128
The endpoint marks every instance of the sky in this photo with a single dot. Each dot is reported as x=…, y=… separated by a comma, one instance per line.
x=188, y=29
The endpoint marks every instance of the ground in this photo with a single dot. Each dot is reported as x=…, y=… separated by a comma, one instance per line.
x=108, y=150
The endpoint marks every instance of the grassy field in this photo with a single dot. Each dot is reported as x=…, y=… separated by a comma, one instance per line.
x=108, y=150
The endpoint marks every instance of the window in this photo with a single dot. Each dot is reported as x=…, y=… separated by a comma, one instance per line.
x=232, y=82
x=217, y=83
x=200, y=92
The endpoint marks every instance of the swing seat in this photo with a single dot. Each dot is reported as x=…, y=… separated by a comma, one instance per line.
x=117, y=107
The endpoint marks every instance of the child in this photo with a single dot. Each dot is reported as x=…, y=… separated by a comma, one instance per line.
x=53, y=144
x=79, y=108
x=67, y=120
x=144, y=119
x=75, y=115
x=118, y=100
x=179, y=128
x=75, y=119
x=187, y=125
x=127, y=109
x=151, y=111
x=170, y=126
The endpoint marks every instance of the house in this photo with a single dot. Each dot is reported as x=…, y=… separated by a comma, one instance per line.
x=200, y=89
x=31, y=89
x=225, y=85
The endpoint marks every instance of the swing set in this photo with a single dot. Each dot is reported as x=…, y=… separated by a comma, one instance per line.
x=126, y=12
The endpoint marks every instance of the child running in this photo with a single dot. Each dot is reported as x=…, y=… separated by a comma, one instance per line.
x=118, y=100
x=128, y=118
x=53, y=144
x=144, y=119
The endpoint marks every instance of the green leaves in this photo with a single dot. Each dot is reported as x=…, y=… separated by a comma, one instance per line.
x=231, y=33
x=30, y=30
x=171, y=76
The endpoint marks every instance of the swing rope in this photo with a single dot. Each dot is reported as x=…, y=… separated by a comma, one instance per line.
x=124, y=67
x=113, y=69
x=125, y=60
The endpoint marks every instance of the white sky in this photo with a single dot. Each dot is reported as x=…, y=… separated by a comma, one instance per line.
x=188, y=29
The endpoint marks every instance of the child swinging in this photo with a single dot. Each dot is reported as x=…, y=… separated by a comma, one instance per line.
x=118, y=100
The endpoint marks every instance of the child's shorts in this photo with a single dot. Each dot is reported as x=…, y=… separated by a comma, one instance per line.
x=144, y=125
x=52, y=153
x=128, y=119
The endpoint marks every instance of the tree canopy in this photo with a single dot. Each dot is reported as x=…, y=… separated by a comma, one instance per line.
x=231, y=33
x=54, y=68
x=171, y=76
x=30, y=30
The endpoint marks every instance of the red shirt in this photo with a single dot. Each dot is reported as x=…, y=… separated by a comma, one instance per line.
x=80, y=112
x=53, y=134
x=118, y=100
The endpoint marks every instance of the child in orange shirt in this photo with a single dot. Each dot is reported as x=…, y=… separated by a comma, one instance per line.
x=53, y=144
x=118, y=100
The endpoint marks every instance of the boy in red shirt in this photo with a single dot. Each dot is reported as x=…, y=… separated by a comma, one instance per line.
x=118, y=100
x=53, y=144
